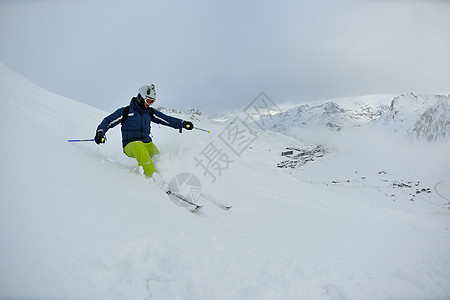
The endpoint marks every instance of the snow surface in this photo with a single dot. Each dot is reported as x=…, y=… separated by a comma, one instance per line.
x=367, y=220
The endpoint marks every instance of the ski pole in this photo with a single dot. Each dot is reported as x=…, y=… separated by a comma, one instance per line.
x=208, y=131
x=86, y=140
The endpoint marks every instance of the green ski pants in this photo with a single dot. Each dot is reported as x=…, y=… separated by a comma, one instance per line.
x=143, y=152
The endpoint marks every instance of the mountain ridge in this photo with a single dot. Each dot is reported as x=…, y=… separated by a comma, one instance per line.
x=409, y=115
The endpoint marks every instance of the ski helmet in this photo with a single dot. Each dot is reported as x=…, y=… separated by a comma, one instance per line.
x=147, y=92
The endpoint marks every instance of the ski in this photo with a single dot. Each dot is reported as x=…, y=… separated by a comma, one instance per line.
x=215, y=201
x=189, y=204
x=192, y=207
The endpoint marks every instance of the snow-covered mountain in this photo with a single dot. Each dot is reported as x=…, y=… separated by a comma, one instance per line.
x=423, y=116
x=352, y=220
x=334, y=114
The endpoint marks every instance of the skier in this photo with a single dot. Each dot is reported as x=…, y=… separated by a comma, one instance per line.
x=135, y=120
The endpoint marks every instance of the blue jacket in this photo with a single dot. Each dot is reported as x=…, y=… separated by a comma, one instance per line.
x=137, y=125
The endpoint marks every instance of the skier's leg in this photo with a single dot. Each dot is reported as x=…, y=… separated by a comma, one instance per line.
x=139, y=151
x=157, y=179
x=152, y=149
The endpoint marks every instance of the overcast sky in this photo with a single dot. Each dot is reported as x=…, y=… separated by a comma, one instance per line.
x=218, y=55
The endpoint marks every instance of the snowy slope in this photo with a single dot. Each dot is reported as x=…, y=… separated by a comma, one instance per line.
x=79, y=221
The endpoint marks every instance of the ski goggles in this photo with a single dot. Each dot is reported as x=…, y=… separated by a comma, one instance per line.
x=149, y=101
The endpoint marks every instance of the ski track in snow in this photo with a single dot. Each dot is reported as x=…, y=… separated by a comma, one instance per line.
x=79, y=221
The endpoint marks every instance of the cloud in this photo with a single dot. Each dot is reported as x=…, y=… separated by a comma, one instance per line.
x=214, y=55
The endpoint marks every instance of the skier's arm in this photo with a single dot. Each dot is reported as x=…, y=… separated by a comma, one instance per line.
x=109, y=122
x=163, y=119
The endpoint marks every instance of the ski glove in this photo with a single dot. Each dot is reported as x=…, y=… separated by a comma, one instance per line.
x=187, y=125
x=100, y=137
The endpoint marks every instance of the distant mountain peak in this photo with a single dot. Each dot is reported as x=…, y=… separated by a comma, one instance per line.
x=421, y=116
